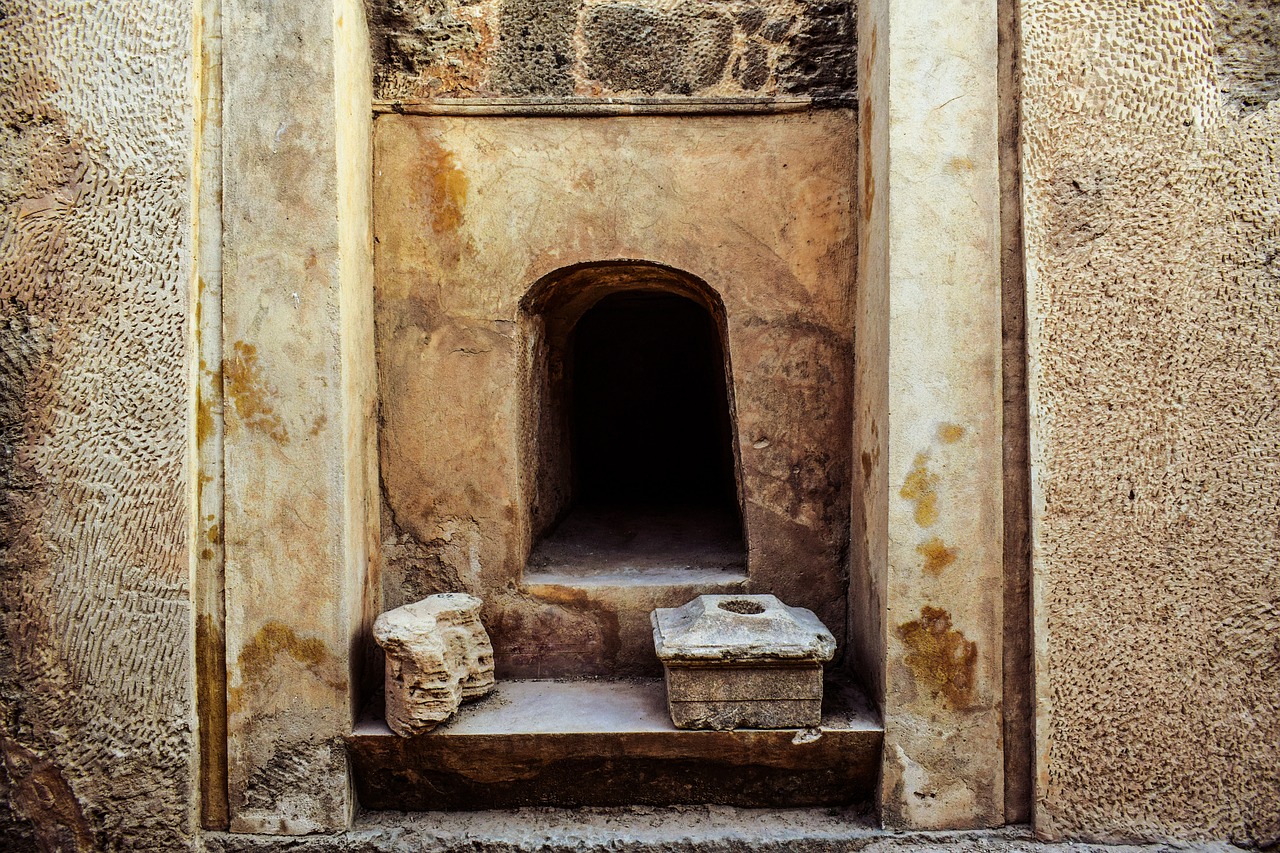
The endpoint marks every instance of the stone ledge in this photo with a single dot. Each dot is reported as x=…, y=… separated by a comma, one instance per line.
x=612, y=743
x=692, y=829
x=569, y=107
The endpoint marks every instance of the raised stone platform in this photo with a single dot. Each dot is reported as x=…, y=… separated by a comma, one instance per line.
x=611, y=743
x=681, y=829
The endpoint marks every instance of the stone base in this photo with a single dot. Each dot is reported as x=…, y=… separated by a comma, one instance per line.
x=744, y=697
x=601, y=743
x=711, y=829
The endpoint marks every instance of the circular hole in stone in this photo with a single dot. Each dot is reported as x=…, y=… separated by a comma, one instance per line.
x=741, y=605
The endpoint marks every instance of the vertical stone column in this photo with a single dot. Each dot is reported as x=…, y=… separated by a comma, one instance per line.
x=298, y=383
x=929, y=411
x=207, y=591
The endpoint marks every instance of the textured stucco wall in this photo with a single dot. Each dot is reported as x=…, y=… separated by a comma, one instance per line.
x=1153, y=261
x=94, y=268
x=602, y=48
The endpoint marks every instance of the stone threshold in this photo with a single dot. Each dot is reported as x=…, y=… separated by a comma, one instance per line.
x=547, y=582
x=593, y=106
x=691, y=829
x=612, y=743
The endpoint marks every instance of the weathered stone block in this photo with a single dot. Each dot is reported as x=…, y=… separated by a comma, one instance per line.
x=438, y=656
x=818, y=57
x=742, y=661
x=631, y=48
x=427, y=49
x=535, y=51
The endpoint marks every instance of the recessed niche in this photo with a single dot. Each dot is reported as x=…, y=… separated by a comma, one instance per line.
x=615, y=366
x=636, y=472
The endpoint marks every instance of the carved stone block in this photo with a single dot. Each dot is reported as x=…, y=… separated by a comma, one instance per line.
x=742, y=661
x=438, y=656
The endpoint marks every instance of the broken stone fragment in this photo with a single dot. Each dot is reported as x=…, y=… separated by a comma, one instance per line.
x=438, y=656
x=742, y=661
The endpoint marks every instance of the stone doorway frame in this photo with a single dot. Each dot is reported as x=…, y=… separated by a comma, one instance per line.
x=286, y=520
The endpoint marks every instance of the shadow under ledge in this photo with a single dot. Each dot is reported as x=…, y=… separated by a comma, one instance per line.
x=612, y=743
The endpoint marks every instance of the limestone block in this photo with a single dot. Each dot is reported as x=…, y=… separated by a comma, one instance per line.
x=742, y=661
x=438, y=656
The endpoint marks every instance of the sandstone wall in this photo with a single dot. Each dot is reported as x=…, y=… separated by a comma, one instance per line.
x=1153, y=251
x=521, y=199
x=602, y=48
x=95, y=729
x=1153, y=256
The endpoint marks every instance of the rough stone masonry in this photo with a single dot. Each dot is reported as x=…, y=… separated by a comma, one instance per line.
x=589, y=48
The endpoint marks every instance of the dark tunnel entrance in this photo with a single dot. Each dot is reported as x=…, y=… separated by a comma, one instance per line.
x=650, y=464
x=649, y=410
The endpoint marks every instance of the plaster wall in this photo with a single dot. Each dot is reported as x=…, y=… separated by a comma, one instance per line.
x=470, y=213
x=96, y=723
x=929, y=405
x=1152, y=236
x=299, y=525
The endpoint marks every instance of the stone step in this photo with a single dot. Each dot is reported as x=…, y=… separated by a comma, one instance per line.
x=612, y=743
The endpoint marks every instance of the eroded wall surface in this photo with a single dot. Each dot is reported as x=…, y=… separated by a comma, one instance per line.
x=94, y=662
x=1153, y=259
x=594, y=48
x=469, y=213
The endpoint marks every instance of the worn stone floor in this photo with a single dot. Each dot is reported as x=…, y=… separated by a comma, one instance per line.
x=703, y=829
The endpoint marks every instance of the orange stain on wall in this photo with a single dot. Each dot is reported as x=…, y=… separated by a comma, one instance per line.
x=937, y=556
x=448, y=188
x=920, y=486
x=940, y=657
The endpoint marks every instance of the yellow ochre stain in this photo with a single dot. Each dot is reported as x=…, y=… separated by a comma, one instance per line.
x=211, y=690
x=950, y=433
x=245, y=387
x=937, y=556
x=205, y=423
x=921, y=487
x=940, y=657
x=448, y=188
x=273, y=641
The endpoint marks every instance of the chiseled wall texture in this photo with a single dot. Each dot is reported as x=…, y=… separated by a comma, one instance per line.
x=1152, y=193
x=94, y=264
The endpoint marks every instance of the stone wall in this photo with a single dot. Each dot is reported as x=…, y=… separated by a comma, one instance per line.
x=95, y=729
x=601, y=48
x=1152, y=244
x=1152, y=238
x=1246, y=41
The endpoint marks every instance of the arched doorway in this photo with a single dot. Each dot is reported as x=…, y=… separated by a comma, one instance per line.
x=635, y=441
